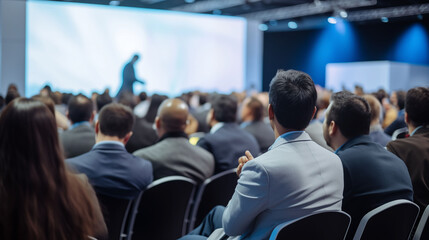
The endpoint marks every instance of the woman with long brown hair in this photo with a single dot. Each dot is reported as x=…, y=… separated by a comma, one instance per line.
x=39, y=198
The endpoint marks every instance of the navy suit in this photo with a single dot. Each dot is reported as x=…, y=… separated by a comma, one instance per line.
x=227, y=144
x=372, y=176
x=113, y=171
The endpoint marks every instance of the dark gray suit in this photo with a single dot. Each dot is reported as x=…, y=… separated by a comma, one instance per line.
x=227, y=144
x=262, y=132
x=78, y=140
x=174, y=155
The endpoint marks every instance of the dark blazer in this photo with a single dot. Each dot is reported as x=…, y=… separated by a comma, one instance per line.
x=113, y=171
x=397, y=124
x=372, y=177
x=143, y=135
x=173, y=155
x=414, y=151
x=227, y=144
x=77, y=141
x=262, y=132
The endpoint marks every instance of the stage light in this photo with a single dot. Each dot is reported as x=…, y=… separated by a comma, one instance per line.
x=384, y=19
x=263, y=27
x=292, y=25
x=332, y=20
x=114, y=3
x=189, y=1
x=343, y=13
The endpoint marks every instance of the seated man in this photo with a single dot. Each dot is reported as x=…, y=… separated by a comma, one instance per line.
x=252, y=115
x=414, y=150
x=296, y=177
x=372, y=175
x=79, y=138
x=111, y=170
x=376, y=132
x=226, y=140
x=173, y=154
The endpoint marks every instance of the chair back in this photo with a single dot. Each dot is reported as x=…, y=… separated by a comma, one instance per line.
x=399, y=133
x=161, y=211
x=326, y=225
x=422, y=231
x=115, y=212
x=216, y=190
x=393, y=220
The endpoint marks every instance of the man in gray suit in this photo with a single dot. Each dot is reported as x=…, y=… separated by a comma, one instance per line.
x=295, y=178
x=173, y=154
x=79, y=138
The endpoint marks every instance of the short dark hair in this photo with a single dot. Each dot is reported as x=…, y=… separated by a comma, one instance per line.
x=103, y=100
x=11, y=95
x=293, y=98
x=417, y=106
x=256, y=108
x=116, y=120
x=80, y=108
x=400, y=95
x=351, y=113
x=224, y=108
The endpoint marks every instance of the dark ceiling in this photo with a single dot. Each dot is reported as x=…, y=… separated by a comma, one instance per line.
x=275, y=12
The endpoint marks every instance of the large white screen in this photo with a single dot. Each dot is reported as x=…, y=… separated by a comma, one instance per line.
x=83, y=48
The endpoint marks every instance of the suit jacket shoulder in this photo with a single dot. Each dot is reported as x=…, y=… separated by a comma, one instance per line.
x=77, y=141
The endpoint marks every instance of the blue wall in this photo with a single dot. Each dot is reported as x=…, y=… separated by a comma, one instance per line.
x=311, y=50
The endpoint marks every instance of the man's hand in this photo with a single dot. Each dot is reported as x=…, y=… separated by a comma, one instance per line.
x=242, y=160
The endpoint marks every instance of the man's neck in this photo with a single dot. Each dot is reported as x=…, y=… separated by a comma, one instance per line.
x=101, y=138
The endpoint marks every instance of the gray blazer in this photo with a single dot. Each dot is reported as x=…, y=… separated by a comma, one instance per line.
x=77, y=141
x=295, y=178
x=176, y=156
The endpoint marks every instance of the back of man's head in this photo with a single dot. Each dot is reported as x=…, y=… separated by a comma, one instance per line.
x=374, y=105
x=173, y=115
x=400, y=95
x=224, y=108
x=103, y=100
x=417, y=106
x=293, y=98
x=256, y=109
x=79, y=108
x=351, y=113
x=115, y=120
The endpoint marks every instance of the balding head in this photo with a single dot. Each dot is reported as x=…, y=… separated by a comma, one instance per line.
x=172, y=116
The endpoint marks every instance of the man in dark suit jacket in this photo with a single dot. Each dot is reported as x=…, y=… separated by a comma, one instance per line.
x=415, y=149
x=173, y=154
x=80, y=137
x=398, y=100
x=129, y=77
x=226, y=140
x=372, y=175
x=252, y=115
x=111, y=170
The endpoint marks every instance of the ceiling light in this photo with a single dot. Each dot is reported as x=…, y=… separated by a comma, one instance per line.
x=292, y=25
x=263, y=27
x=332, y=20
x=384, y=19
x=343, y=13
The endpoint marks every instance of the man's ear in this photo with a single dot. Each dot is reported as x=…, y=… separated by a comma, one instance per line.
x=68, y=115
x=406, y=118
x=97, y=127
x=332, y=128
x=270, y=112
x=314, y=112
x=92, y=116
x=157, y=123
x=127, y=137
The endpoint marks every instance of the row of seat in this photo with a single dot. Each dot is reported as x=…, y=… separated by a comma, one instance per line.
x=168, y=208
x=172, y=206
x=391, y=221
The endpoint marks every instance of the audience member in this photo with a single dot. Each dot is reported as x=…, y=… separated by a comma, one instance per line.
x=315, y=130
x=295, y=178
x=155, y=101
x=226, y=140
x=141, y=109
x=414, y=150
x=11, y=95
x=398, y=100
x=40, y=199
x=110, y=168
x=376, y=132
x=252, y=116
x=173, y=154
x=79, y=138
x=372, y=175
